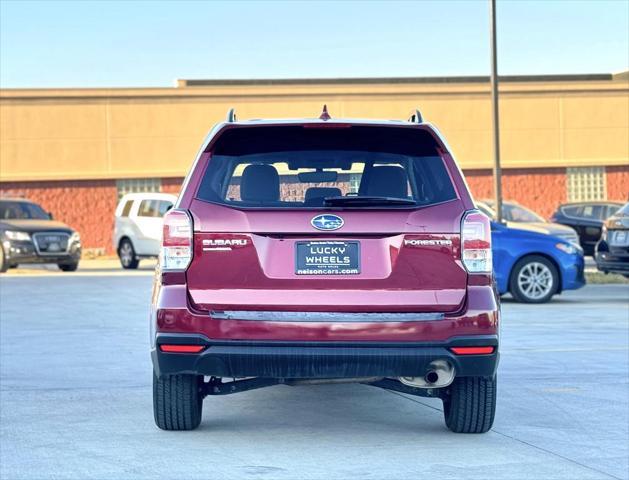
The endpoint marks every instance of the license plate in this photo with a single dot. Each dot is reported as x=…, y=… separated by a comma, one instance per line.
x=621, y=238
x=327, y=258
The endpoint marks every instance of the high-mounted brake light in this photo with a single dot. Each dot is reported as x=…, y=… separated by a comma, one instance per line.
x=176, y=251
x=476, y=243
x=472, y=350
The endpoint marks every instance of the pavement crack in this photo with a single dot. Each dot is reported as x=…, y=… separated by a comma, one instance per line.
x=523, y=442
x=541, y=449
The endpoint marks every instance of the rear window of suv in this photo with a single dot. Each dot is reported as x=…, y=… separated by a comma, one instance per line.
x=350, y=167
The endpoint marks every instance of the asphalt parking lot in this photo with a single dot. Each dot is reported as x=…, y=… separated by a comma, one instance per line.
x=76, y=399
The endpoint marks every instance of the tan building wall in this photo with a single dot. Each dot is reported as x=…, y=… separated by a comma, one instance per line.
x=125, y=133
x=65, y=149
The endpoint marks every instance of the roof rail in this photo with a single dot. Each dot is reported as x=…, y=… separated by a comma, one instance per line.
x=416, y=117
x=231, y=115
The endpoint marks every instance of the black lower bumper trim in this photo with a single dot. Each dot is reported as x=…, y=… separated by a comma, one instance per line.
x=319, y=360
x=613, y=266
x=14, y=258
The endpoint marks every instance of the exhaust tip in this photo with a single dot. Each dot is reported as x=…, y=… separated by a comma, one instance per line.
x=431, y=377
x=439, y=374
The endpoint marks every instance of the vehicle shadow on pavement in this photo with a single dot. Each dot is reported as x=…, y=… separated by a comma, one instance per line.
x=350, y=409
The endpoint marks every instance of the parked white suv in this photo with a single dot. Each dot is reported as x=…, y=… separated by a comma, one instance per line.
x=138, y=226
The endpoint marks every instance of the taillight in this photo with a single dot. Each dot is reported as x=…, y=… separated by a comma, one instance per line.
x=176, y=251
x=476, y=243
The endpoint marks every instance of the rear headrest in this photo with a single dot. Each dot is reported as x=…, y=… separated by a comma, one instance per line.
x=387, y=181
x=260, y=183
x=315, y=195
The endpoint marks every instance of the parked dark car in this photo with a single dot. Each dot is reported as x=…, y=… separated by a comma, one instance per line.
x=587, y=219
x=325, y=251
x=612, y=250
x=28, y=234
x=520, y=217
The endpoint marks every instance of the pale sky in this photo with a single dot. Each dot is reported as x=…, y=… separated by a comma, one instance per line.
x=152, y=43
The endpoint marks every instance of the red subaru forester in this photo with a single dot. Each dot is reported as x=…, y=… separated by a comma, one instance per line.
x=325, y=251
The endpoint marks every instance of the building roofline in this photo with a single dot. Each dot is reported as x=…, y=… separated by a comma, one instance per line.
x=238, y=90
x=200, y=82
x=392, y=80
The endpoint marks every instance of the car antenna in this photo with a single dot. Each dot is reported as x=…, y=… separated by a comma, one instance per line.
x=231, y=115
x=324, y=114
x=416, y=117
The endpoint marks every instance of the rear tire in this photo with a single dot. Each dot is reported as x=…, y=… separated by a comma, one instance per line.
x=4, y=266
x=534, y=279
x=470, y=406
x=127, y=256
x=68, y=267
x=177, y=401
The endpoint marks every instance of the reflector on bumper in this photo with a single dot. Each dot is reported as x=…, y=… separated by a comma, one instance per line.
x=472, y=350
x=181, y=348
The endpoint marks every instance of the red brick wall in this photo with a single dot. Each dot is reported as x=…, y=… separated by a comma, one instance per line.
x=480, y=182
x=539, y=189
x=87, y=205
x=171, y=185
x=618, y=183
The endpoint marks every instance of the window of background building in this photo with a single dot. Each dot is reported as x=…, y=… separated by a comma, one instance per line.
x=586, y=184
x=354, y=182
x=138, y=185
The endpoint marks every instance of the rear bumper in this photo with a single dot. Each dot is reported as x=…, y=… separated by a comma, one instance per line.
x=313, y=346
x=319, y=359
x=172, y=314
x=612, y=259
x=612, y=264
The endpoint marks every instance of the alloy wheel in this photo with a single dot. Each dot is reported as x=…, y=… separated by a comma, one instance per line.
x=535, y=280
x=126, y=254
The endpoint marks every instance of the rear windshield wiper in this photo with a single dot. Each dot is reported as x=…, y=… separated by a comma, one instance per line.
x=368, y=201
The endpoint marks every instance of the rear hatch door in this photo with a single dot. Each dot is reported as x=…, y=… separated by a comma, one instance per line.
x=328, y=221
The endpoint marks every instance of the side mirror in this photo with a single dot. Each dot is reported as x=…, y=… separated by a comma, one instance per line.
x=50, y=215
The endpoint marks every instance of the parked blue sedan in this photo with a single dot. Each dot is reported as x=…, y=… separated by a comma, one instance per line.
x=534, y=266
